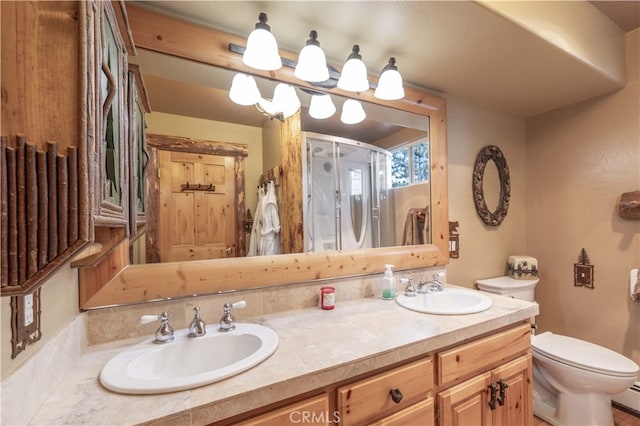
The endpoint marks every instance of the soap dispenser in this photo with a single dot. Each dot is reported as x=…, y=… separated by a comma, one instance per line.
x=388, y=284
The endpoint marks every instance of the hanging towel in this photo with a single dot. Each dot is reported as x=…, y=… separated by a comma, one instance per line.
x=256, y=228
x=270, y=241
x=635, y=285
x=415, y=227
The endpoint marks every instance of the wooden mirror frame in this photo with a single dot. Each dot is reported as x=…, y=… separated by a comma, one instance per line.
x=486, y=154
x=139, y=283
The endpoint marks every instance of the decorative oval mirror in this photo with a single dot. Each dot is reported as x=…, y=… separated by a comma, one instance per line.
x=495, y=217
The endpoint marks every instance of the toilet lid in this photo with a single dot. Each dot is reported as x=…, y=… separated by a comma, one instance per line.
x=506, y=283
x=581, y=354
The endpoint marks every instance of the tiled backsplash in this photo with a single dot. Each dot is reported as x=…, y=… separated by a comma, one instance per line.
x=115, y=323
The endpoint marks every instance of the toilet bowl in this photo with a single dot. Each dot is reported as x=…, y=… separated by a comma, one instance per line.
x=573, y=380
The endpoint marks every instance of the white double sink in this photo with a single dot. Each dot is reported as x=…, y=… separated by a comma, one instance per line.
x=190, y=362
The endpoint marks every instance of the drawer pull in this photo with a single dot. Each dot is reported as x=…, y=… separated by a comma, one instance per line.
x=396, y=395
x=503, y=387
x=492, y=402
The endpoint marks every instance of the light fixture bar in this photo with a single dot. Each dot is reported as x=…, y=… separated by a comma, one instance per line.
x=333, y=73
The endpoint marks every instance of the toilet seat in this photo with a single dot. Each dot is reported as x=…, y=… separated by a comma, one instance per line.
x=583, y=355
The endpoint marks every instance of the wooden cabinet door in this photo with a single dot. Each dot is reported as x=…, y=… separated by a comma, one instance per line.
x=197, y=206
x=517, y=408
x=466, y=404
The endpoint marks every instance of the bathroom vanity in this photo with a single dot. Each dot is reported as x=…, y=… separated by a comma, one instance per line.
x=348, y=365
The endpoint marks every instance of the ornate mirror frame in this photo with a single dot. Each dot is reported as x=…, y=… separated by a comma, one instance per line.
x=491, y=153
x=139, y=283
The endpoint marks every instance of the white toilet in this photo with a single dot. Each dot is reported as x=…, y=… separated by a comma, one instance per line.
x=573, y=380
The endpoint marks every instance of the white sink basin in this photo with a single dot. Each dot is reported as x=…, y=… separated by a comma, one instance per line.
x=450, y=301
x=188, y=362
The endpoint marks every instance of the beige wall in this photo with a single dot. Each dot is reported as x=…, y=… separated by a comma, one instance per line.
x=484, y=249
x=59, y=306
x=579, y=160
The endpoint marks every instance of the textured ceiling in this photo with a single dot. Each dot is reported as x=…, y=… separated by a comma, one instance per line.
x=458, y=48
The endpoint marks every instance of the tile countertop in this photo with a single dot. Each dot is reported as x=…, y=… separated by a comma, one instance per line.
x=316, y=348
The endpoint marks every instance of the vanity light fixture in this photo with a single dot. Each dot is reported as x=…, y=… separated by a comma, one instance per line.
x=262, y=49
x=244, y=90
x=354, y=73
x=390, y=83
x=285, y=103
x=312, y=62
x=321, y=106
x=352, y=112
x=285, y=99
x=265, y=106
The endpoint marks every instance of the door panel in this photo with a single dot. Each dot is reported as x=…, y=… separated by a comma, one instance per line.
x=197, y=196
x=518, y=406
x=467, y=403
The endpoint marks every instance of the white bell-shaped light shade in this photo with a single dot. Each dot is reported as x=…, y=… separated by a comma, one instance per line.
x=390, y=83
x=312, y=63
x=352, y=112
x=262, y=49
x=266, y=106
x=321, y=107
x=244, y=90
x=285, y=100
x=354, y=73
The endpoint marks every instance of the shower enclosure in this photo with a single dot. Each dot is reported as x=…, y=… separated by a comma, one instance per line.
x=346, y=194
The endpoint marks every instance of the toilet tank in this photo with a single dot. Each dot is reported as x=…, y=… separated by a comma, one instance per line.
x=510, y=287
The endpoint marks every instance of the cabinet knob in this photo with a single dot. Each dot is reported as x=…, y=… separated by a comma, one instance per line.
x=396, y=395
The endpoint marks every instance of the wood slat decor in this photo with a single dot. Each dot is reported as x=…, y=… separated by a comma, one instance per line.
x=39, y=211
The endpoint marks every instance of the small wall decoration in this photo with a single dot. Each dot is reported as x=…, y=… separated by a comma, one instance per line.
x=454, y=240
x=491, y=153
x=629, y=205
x=583, y=271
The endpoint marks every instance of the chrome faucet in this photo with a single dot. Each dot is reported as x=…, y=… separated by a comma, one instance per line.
x=410, y=290
x=228, y=322
x=433, y=286
x=197, y=328
x=164, y=333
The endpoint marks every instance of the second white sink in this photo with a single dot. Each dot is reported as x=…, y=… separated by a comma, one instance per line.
x=188, y=362
x=449, y=301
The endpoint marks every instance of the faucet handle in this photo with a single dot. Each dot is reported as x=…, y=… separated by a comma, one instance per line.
x=436, y=277
x=410, y=290
x=197, y=328
x=146, y=319
x=239, y=304
x=228, y=322
x=164, y=333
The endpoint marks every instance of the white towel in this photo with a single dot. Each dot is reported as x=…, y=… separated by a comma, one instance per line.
x=635, y=285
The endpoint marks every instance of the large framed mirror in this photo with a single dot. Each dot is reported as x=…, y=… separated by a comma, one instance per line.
x=157, y=34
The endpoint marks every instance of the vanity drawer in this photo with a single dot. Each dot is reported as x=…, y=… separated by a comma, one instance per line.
x=370, y=399
x=312, y=411
x=418, y=414
x=482, y=354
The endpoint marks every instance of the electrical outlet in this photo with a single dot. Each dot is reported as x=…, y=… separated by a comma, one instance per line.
x=28, y=310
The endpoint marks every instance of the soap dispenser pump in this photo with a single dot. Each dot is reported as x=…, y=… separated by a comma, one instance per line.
x=388, y=284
